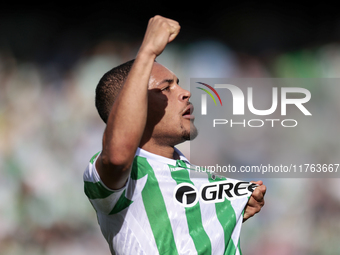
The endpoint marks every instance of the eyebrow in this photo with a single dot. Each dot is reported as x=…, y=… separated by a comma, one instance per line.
x=167, y=81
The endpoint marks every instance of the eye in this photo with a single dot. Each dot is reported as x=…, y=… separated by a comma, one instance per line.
x=167, y=88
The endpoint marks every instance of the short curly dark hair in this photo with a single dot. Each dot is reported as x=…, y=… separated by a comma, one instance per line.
x=108, y=88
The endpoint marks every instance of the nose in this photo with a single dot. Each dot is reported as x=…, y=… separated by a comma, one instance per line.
x=185, y=94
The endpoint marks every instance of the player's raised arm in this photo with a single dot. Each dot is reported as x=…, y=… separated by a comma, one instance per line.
x=127, y=119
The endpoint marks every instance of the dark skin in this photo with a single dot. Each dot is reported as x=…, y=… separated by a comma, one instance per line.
x=151, y=112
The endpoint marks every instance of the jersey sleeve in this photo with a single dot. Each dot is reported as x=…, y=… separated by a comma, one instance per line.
x=102, y=198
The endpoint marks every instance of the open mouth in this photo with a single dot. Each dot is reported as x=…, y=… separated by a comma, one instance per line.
x=188, y=112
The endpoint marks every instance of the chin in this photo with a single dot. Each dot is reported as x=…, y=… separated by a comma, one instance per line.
x=191, y=135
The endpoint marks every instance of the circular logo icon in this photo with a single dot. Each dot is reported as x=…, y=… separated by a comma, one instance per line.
x=186, y=194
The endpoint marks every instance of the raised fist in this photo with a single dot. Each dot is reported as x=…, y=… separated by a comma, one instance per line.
x=159, y=33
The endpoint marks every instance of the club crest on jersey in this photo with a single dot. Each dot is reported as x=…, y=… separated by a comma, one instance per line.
x=188, y=195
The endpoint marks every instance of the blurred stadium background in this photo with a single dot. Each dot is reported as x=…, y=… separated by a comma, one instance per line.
x=51, y=58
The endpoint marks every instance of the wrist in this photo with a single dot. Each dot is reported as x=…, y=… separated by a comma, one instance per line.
x=146, y=53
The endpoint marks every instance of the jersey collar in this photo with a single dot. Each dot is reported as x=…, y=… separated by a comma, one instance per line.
x=143, y=153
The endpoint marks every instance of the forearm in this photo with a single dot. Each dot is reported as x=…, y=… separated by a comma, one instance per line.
x=127, y=119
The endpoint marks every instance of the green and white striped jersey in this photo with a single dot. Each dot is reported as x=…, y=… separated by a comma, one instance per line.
x=167, y=208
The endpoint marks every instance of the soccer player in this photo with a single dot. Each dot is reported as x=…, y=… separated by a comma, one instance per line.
x=131, y=182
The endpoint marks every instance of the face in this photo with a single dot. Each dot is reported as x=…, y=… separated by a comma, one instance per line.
x=170, y=118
